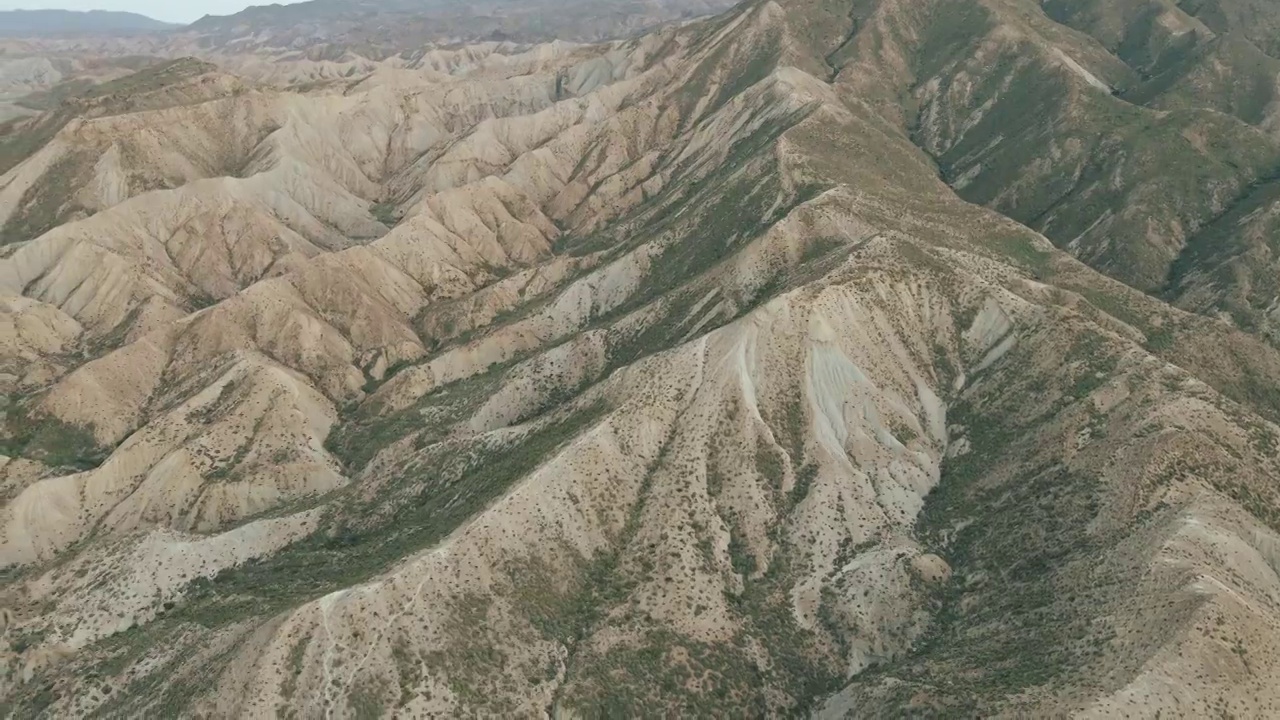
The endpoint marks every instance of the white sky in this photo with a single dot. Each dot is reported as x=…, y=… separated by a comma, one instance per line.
x=169, y=10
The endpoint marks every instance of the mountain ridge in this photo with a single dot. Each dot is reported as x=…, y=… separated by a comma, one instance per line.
x=36, y=23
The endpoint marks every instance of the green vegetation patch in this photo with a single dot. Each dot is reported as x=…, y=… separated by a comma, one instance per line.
x=49, y=202
x=49, y=440
x=385, y=213
x=425, y=501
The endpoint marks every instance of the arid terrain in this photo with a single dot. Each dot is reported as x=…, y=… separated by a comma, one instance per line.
x=823, y=358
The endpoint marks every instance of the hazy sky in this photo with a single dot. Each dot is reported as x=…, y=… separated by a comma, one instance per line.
x=169, y=10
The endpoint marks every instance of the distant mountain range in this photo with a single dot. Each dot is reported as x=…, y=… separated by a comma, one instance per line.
x=385, y=27
x=29, y=23
x=377, y=28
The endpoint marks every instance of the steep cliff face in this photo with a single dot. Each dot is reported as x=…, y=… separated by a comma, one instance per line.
x=814, y=358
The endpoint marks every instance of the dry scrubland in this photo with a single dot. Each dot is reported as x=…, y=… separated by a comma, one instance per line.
x=852, y=359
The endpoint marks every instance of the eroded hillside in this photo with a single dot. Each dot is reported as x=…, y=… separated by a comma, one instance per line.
x=815, y=358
